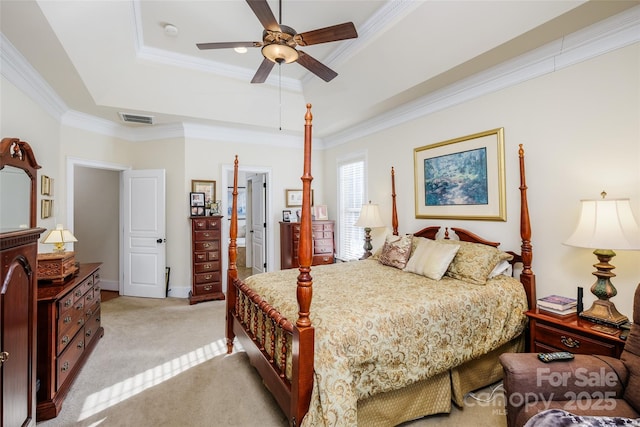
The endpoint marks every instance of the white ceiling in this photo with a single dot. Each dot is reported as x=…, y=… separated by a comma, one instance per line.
x=106, y=57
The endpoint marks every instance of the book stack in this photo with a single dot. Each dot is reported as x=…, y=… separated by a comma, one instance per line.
x=558, y=305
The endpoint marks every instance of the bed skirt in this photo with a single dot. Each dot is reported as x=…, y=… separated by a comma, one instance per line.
x=435, y=395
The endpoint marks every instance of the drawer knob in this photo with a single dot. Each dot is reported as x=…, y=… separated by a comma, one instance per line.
x=65, y=340
x=4, y=356
x=68, y=302
x=67, y=319
x=208, y=288
x=569, y=342
x=65, y=367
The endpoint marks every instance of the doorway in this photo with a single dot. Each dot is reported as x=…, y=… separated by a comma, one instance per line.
x=96, y=221
x=265, y=243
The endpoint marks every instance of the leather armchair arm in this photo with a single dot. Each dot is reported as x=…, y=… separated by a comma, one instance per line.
x=595, y=377
x=564, y=380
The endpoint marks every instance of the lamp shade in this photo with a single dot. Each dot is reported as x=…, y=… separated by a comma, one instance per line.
x=58, y=237
x=369, y=217
x=606, y=224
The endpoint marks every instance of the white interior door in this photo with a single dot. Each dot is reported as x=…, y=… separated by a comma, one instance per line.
x=144, y=252
x=258, y=227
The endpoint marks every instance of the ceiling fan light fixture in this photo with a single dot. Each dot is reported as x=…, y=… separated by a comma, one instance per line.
x=241, y=49
x=280, y=53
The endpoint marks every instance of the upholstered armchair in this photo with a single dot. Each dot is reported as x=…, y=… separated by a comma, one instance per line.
x=587, y=385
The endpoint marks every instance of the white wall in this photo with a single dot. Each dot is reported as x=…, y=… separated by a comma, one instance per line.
x=581, y=133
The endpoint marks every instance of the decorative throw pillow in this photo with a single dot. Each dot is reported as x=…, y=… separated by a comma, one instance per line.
x=430, y=258
x=396, y=251
x=474, y=261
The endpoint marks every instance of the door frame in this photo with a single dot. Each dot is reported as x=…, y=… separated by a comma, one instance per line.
x=72, y=162
x=227, y=181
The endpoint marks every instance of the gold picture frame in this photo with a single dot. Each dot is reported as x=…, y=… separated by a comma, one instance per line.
x=206, y=187
x=45, y=185
x=293, y=198
x=462, y=178
x=46, y=208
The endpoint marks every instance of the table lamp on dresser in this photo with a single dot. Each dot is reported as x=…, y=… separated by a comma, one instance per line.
x=58, y=265
x=605, y=225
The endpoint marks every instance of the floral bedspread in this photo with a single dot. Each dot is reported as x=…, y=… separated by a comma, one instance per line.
x=378, y=328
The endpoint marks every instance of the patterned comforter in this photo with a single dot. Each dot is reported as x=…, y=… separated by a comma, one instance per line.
x=378, y=328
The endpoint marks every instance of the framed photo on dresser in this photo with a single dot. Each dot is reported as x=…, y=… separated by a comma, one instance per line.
x=196, y=204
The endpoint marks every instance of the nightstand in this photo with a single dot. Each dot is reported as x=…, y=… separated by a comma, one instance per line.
x=549, y=333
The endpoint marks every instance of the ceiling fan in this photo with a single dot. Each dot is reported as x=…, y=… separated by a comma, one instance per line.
x=279, y=43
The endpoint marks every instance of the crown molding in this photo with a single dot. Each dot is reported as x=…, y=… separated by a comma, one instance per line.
x=16, y=69
x=613, y=33
x=600, y=38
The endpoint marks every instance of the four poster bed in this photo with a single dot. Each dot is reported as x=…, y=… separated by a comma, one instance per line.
x=381, y=344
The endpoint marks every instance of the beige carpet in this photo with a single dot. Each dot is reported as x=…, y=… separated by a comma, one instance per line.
x=163, y=363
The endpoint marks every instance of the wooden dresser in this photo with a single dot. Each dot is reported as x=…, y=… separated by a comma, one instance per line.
x=68, y=331
x=206, y=259
x=17, y=326
x=323, y=243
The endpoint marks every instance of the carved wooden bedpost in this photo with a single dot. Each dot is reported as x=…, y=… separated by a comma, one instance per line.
x=303, y=334
x=394, y=209
x=232, y=271
x=527, y=278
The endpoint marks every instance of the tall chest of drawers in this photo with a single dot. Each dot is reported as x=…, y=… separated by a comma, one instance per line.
x=206, y=259
x=323, y=243
x=68, y=331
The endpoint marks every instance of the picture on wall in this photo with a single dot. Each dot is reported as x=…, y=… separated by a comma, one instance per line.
x=462, y=178
x=206, y=187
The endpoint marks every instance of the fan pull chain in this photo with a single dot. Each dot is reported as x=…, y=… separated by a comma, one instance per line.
x=280, y=90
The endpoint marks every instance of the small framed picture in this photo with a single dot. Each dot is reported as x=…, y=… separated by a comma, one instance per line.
x=293, y=198
x=197, y=211
x=197, y=204
x=286, y=216
x=320, y=212
x=197, y=199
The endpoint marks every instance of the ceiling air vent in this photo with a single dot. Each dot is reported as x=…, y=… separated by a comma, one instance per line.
x=136, y=118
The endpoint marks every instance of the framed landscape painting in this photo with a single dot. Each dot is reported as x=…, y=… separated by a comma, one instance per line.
x=462, y=178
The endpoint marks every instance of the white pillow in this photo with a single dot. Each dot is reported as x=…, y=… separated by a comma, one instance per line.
x=431, y=259
x=503, y=267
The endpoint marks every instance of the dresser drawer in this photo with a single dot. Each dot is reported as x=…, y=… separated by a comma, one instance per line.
x=68, y=359
x=69, y=324
x=322, y=259
x=213, y=223
x=206, y=235
x=323, y=246
x=203, y=267
x=550, y=336
x=206, y=246
x=92, y=325
x=208, y=288
x=202, y=278
x=85, y=286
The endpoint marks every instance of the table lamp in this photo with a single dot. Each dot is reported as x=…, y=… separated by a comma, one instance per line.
x=58, y=237
x=605, y=225
x=369, y=218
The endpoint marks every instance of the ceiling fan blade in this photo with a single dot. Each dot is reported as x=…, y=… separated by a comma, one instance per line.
x=327, y=34
x=227, y=45
x=316, y=67
x=263, y=71
x=265, y=15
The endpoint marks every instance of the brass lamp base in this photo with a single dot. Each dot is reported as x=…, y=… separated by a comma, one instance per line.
x=604, y=312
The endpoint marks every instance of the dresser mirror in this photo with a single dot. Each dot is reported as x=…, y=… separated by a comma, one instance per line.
x=18, y=185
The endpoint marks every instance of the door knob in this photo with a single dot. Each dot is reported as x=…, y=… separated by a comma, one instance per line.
x=161, y=240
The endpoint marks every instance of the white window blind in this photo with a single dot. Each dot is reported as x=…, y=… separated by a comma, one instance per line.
x=351, y=193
